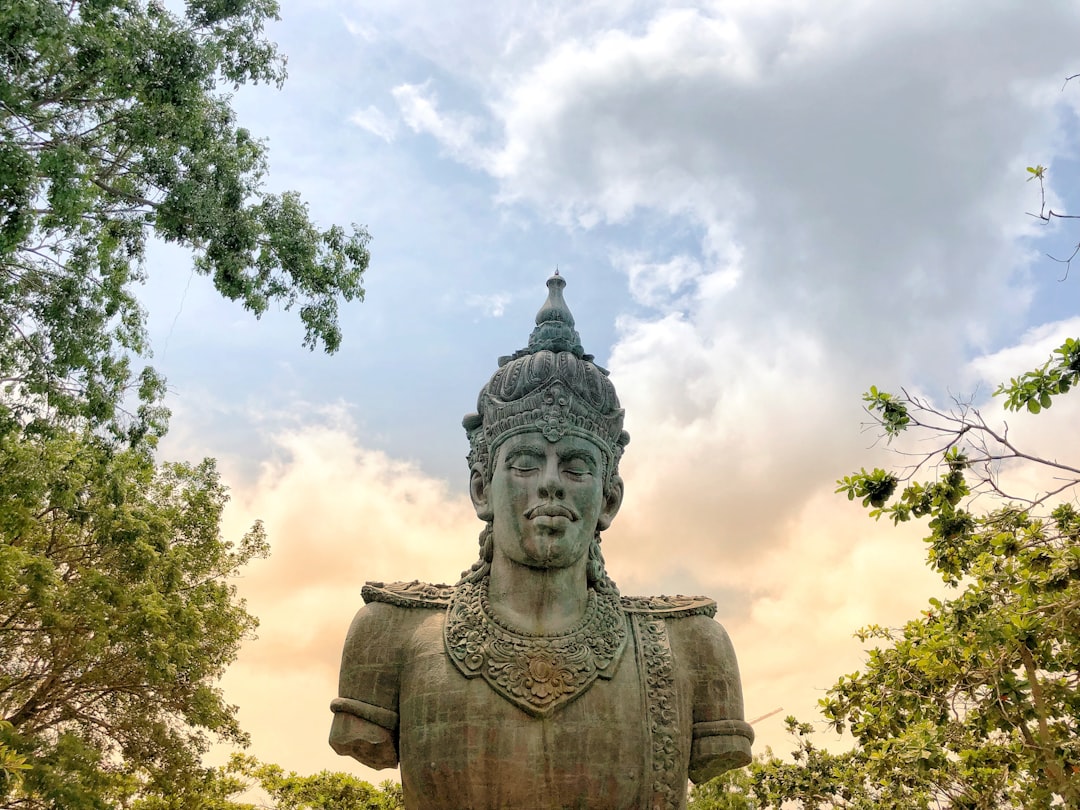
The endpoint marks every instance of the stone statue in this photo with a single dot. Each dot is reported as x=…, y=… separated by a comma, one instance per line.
x=531, y=683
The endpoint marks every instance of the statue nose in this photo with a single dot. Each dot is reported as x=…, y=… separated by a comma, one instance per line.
x=550, y=483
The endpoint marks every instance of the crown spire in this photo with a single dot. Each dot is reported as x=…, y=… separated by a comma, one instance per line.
x=554, y=323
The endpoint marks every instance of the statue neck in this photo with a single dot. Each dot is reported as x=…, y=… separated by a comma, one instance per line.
x=540, y=601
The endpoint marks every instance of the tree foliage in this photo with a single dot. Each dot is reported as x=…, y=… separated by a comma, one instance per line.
x=230, y=787
x=117, y=617
x=112, y=129
x=326, y=790
x=117, y=612
x=975, y=703
x=732, y=790
x=1047, y=214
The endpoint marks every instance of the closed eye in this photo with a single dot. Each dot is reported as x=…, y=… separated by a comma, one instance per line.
x=524, y=462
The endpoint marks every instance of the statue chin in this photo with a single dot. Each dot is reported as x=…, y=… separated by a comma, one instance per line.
x=553, y=550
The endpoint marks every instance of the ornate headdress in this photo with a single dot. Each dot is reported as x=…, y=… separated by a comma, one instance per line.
x=551, y=386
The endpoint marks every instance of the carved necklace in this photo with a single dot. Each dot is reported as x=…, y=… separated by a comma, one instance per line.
x=536, y=673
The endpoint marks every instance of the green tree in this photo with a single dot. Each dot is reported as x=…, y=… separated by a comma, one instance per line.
x=812, y=778
x=326, y=790
x=1048, y=215
x=117, y=615
x=976, y=703
x=226, y=787
x=117, y=618
x=113, y=128
x=817, y=778
x=732, y=790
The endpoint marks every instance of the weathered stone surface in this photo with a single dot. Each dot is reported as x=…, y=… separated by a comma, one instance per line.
x=532, y=683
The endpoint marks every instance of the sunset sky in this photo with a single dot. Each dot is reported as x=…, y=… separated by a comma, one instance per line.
x=760, y=208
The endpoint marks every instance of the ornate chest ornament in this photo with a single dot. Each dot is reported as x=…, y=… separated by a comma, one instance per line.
x=538, y=674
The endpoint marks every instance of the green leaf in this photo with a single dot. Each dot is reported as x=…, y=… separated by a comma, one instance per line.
x=137, y=629
x=124, y=135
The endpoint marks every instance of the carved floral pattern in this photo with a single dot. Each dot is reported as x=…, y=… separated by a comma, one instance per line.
x=538, y=674
x=655, y=660
x=553, y=421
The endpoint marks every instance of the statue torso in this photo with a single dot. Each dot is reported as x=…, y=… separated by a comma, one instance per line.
x=459, y=739
x=622, y=741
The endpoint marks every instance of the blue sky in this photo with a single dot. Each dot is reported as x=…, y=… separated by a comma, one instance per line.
x=760, y=208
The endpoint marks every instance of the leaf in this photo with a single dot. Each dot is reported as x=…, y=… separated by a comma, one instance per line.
x=124, y=135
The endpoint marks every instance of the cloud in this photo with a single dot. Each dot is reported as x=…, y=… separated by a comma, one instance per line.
x=492, y=305
x=373, y=120
x=794, y=636
x=359, y=29
x=457, y=134
x=658, y=283
x=1035, y=347
x=337, y=515
x=872, y=195
x=851, y=215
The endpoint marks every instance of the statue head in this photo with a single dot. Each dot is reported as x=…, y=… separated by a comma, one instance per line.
x=553, y=391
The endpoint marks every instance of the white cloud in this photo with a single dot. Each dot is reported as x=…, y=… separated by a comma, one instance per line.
x=493, y=305
x=655, y=283
x=853, y=216
x=1036, y=346
x=359, y=29
x=376, y=122
x=337, y=515
x=456, y=133
x=873, y=195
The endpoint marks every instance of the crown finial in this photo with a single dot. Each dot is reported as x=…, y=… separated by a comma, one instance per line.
x=555, y=308
x=554, y=323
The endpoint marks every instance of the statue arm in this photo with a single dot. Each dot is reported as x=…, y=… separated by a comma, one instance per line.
x=365, y=711
x=721, y=736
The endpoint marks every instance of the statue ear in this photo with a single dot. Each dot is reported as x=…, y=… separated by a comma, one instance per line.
x=478, y=491
x=613, y=494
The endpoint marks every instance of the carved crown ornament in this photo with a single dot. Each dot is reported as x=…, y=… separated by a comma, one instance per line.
x=551, y=386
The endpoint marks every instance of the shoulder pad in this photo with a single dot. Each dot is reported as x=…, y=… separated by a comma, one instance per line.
x=413, y=594
x=670, y=607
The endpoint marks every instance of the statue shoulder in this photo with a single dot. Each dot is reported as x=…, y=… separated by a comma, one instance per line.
x=670, y=607
x=413, y=594
x=386, y=627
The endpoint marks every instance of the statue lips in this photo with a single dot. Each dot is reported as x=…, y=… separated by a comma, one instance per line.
x=551, y=515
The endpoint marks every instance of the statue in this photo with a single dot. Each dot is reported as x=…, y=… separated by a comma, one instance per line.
x=531, y=683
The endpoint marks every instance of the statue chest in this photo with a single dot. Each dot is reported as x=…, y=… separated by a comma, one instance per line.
x=464, y=742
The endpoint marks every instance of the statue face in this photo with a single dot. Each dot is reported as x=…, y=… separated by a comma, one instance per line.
x=546, y=499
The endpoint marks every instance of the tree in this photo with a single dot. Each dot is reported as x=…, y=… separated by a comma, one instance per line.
x=326, y=790
x=731, y=790
x=818, y=778
x=117, y=614
x=112, y=130
x=224, y=787
x=117, y=618
x=1046, y=214
x=976, y=703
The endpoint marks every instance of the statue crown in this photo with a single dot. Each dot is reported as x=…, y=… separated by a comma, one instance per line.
x=551, y=386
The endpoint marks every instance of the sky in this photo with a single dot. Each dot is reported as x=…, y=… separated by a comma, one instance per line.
x=760, y=209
